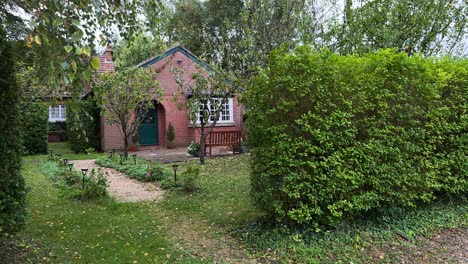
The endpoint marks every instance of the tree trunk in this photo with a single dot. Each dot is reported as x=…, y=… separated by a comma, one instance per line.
x=202, y=144
x=126, y=147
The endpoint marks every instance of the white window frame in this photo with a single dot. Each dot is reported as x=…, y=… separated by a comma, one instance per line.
x=62, y=113
x=220, y=121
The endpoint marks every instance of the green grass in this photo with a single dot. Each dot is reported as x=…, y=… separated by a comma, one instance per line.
x=61, y=230
x=216, y=223
x=64, y=149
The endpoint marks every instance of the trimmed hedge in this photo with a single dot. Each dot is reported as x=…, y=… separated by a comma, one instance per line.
x=332, y=136
x=12, y=186
x=83, y=119
x=34, y=127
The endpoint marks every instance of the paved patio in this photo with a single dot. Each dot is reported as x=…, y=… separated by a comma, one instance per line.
x=177, y=154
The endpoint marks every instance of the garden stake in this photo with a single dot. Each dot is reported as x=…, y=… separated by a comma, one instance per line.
x=65, y=162
x=51, y=153
x=175, y=172
x=134, y=158
x=83, y=179
x=70, y=166
x=121, y=158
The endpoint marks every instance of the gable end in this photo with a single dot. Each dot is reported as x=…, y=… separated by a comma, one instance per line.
x=171, y=51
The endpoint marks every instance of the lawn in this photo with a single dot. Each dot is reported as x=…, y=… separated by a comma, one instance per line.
x=219, y=223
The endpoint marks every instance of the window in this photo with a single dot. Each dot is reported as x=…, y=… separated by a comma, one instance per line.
x=225, y=114
x=57, y=113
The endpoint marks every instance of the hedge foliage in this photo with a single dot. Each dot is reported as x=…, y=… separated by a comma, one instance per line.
x=12, y=186
x=83, y=119
x=332, y=136
x=34, y=127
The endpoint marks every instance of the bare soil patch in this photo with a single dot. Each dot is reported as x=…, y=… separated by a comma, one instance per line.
x=121, y=187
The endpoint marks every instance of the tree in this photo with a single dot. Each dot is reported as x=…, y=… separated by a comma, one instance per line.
x=187, y=25
x=130, y=53
x=63, y=37
x=426, y=26
x=206, y=95
x=125, y=97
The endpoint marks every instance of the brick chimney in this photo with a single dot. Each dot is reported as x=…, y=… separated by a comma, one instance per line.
x=108, y=53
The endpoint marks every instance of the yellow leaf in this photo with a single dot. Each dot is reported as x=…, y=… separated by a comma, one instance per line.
x=37, y=39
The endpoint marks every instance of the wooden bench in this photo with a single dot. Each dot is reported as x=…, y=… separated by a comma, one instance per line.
x=224, y=138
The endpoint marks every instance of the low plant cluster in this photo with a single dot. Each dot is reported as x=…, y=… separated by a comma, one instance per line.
x=153, y=172
x=139, y=170
x=78, y=184
x=335, y=136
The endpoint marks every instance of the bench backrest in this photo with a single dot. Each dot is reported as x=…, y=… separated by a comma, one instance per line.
x=224, y=138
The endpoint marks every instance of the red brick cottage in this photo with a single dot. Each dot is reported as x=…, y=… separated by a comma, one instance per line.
x=153, y=134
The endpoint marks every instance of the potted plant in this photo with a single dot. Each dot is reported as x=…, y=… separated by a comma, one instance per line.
x=194, y=149
x=170, y=136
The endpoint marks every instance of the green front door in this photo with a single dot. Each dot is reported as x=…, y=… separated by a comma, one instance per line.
x=148, y=129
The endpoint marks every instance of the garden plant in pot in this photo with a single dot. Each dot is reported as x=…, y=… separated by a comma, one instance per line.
x=170, y=136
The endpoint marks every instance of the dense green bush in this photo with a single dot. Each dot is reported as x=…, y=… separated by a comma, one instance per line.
x=12, y=186
x=83, y=124
x=332, y=136
x=34, y=127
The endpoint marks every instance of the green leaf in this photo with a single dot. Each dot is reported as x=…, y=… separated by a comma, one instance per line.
x=74, y=66
x=58, y=21
x=64, y=65
x=68, y=48
x=87, y=75
x=94, y=63
x=86, y=51
x=76, y=22
x=78, y=51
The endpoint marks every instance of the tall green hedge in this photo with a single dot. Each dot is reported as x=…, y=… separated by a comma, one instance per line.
x=12, y=186
x=83, y=119
x=34, y=127
x=332, y=136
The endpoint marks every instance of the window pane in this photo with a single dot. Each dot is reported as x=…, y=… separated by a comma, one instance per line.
x=55, y=113
x=63, y=112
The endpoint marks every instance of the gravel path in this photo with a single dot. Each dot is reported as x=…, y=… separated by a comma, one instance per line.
x=121, y=187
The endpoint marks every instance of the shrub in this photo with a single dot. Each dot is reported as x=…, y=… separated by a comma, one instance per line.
x=170, y=134
x=194, y=149
x=12, y=186
x=34, y=127
x=333, y=136
x=189, y=178
x=157, y=173
x=92, y=186
x=83, y=119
